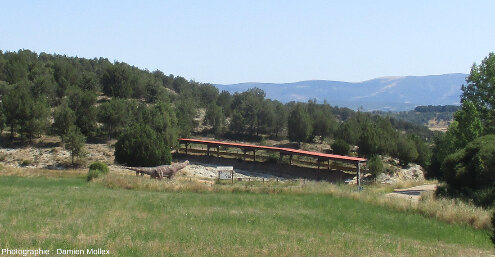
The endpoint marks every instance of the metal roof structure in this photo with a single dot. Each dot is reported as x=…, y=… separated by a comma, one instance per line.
x=287, y=151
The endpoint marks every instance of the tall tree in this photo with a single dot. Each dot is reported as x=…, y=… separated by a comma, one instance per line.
x=407, y=151
x=16, y=105
x=368, y=141
x=214, y=117
x=224, y=100
x=17, y=66
x=470, y=126
x=265, y=118
x=387, y=136
x=280, y=118
x=349, y=131
x=117, y=80
x=64, y=117
x=185, y=112
x=35, y=121
x=480, y=89
x=299, y=124
x=66, y=75
x=83, y=104
x=161, y=118
x=324, y=123
x=113, y=115
x=237, y=122
x=74, y=142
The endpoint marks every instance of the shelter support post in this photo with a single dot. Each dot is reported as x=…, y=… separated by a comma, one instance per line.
x=358, y=177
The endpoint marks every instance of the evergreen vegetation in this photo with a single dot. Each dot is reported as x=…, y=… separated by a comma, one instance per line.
x=140, y=145
x=470, y=172
x=375, y=165
x=421, y=115
x=103, y=99
x=74, y=142
x=464, y=157
x=96, y=169
x=340, y=147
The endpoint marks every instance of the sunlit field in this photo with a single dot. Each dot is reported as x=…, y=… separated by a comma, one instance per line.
x=53, y=212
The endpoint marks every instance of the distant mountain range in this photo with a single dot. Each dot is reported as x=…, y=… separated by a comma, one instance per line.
x=386, y=94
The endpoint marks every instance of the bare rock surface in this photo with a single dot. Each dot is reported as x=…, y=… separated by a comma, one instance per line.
x=202, y=170
x=411, y=172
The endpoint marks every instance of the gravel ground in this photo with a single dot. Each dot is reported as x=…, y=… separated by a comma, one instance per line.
x=413, y=193
x=210, y=171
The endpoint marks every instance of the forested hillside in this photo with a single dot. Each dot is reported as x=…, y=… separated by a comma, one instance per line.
x=95, y=99
x=82, y=100
x=425, y=115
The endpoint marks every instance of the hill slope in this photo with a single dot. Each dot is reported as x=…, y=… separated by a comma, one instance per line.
x=387, y=93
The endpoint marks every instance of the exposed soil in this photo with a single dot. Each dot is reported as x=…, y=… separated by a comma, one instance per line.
x=48, y=153
x=205, y=167
x=438, y=125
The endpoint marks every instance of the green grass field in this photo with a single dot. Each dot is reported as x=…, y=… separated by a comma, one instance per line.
x=69, y=213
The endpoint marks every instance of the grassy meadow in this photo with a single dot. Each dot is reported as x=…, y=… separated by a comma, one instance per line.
x=52, y=211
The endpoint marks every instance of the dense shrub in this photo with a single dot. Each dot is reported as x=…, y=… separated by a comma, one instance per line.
x=340, y=147
x=406, y=151
x=272, y=158
x=470, y=172
x=92, y=174
x=102, y=167
x=375, y=165
x=140, y=145
x=96, y=169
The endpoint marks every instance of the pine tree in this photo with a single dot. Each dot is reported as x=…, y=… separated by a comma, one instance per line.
x=299, y=124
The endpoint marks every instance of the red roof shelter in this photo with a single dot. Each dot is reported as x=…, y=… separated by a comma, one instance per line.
x=282, y=151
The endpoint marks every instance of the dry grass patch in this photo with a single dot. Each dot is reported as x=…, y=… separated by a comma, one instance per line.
x=447, y=210
x=36, y=172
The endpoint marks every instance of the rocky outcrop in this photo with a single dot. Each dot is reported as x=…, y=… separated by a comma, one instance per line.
x=411, y=172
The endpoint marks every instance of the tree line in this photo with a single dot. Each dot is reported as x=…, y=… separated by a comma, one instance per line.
x=421, y=115
x=78, y=98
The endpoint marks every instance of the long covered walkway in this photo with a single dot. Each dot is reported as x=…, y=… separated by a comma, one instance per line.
x=320, y=157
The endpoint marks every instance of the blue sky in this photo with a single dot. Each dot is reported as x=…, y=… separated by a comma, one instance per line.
x=260, y=41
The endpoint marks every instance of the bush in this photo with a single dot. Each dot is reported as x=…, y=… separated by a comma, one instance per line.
x=340, y=147
x=26, y=162
x=102, y=167
x=74, y=142
x=375, y=165
x=470, y=172
x=406, y=150
x=140, y=145
x=272, y=158
x=92, y=174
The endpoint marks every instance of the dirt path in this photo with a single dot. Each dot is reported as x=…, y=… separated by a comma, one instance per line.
x=412, y=193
